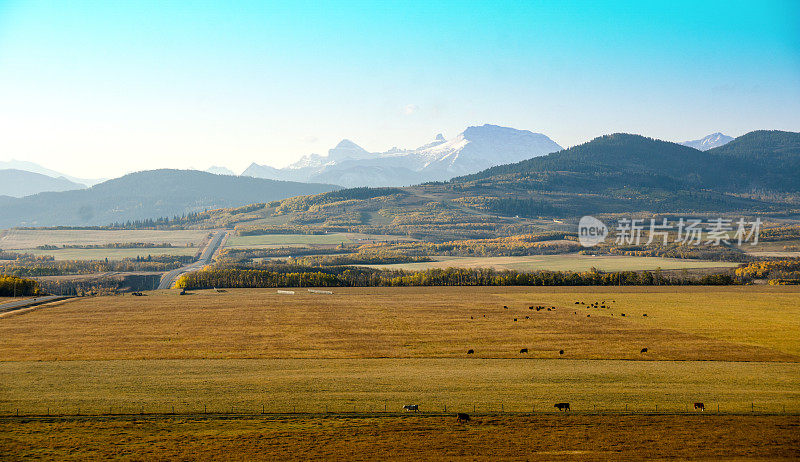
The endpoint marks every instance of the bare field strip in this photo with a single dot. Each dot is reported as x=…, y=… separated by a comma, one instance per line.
x=113, y=253
x=24, y=239
x=302, y=240
x=565, y=262
x=368, y=385
x=683, y=323
x=566, y=437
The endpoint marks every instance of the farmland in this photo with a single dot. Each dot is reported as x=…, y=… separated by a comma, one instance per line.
x=303, y=240
x=26, y=239
x=564, y=262
x=373, y=349
x=114, y=253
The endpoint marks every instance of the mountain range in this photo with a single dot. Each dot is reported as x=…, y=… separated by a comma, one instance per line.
x=19, y=183
x=36, y=168
x=148, y=194
x=473, y=150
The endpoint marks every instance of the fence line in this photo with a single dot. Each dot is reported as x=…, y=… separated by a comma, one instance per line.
x=384, y=408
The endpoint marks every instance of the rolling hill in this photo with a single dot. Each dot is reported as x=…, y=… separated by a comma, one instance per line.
x=618, y=174
x=148, y=194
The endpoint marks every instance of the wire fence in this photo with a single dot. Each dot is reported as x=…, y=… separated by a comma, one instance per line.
x=393, y=409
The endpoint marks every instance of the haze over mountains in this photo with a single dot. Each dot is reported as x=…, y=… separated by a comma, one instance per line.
x=619, y=172
x=473, y=150
x=19, y=183
x=149, y=194
x=36, y=168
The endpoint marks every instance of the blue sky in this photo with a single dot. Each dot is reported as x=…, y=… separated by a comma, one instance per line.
x=104, y=88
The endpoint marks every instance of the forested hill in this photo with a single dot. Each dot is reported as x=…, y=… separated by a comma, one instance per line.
x=757, y=161
x=148, y=194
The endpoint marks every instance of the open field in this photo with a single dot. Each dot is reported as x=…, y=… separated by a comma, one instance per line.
x=114, y=253
x=369, y=385
x=25, y=239
x=736, y=349
x=565, y=262
x=302, y=240
x=491, y=437
x=710, y=323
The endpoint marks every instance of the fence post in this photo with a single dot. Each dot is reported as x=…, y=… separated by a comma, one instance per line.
x=205, y=411
x=445, y=408
x=473, y=408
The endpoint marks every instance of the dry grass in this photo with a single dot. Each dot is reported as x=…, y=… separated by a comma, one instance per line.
x=367, y=385
x=114, y=254
x=683, y=323
x=567, y=437
x=21, y=239
x=564, y=262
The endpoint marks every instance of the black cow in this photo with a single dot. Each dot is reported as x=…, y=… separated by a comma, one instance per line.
x=462, y=417
x=562, y=406
x=470, y=352
x=644, y=350
x=411, y=407
x=700, y=406
x=524, y=350
x=561, y=352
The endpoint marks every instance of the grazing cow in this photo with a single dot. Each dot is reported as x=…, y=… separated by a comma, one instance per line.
x=561, y=352
x=462, y=417
x=411, y=407
x=644, y=350
x=588, y=315
x=515, y=319
x=505, y=307
x=562, y=406
x=577, y=303
x=700, y=406
x=470, y=352
x=645, y=314
x=622, y=314
x=524, y=350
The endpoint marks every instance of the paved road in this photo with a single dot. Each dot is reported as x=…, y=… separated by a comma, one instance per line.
x=28, y=302
x=168, y=279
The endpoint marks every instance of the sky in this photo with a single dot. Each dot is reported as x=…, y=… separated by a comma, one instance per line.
x=99, y=89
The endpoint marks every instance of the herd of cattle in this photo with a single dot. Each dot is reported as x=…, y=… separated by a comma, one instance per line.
x=602, y=304
x=463, y=417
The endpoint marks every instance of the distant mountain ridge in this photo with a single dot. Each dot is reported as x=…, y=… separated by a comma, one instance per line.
x=711, y=141
x=148, y=194
x=475, y=149
x=36, y=168
x=19, y=183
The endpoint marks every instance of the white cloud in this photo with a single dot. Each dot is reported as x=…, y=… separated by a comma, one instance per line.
x=410, y=109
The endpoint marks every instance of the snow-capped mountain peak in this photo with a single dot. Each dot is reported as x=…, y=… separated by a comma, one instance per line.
x=473, y=150
x=713, y=140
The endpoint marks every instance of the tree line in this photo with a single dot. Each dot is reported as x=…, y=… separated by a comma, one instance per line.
x=296, y=276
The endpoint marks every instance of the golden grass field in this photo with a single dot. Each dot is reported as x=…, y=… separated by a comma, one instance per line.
x=562, y=262
x=370, y=349
x=409, y=437
x=24, y=239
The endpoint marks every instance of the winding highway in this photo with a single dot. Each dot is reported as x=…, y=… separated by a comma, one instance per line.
x=169, y=278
